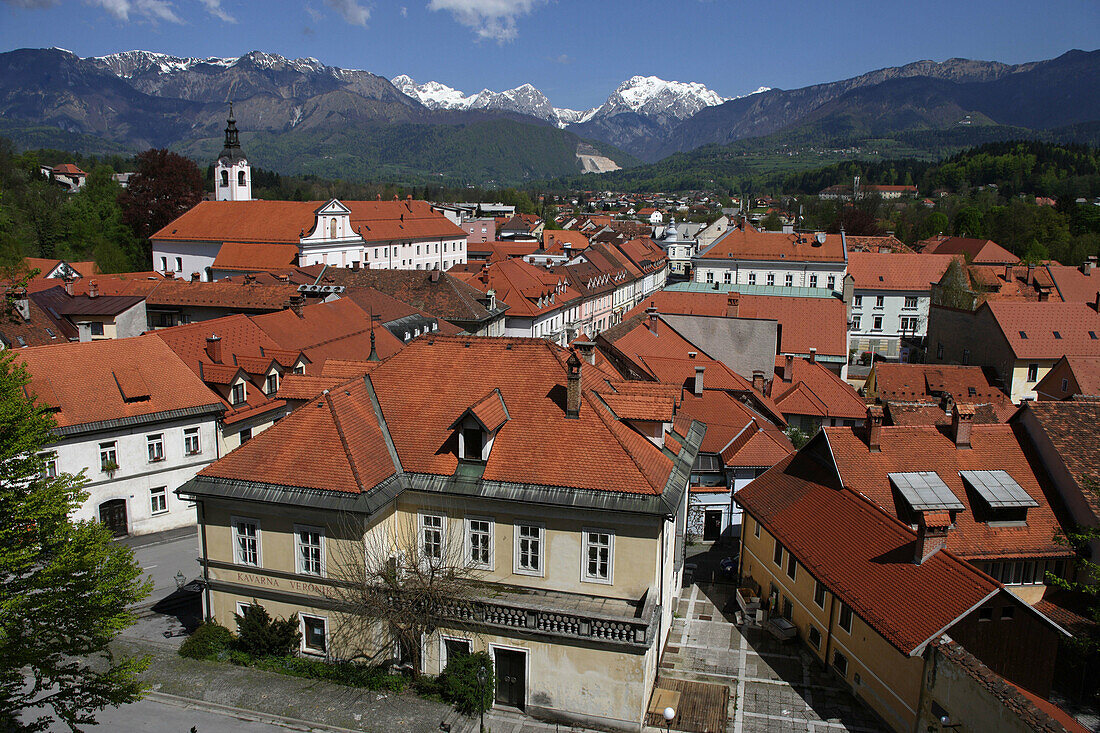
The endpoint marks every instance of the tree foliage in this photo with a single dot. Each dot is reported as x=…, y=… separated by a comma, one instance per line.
x=260, y=635
x=65, y=586
x=164, y=186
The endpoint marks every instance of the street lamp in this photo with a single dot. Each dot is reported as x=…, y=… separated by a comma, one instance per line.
x=669, y=714
x=482, y=679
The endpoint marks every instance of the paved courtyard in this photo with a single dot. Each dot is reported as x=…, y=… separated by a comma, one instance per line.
x=773, y=686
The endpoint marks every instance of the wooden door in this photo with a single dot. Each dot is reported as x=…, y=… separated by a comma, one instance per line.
x=113, y=514
x=511, y=677
x=712, y=525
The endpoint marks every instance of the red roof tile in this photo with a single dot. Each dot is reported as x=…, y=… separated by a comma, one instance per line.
x=814, y=390
x=246, y=257
x=978, y=251
x=1047, y=330
x=749, y=244
x=908, y=272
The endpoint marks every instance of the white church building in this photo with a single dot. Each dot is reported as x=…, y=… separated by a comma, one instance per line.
x=235, y=234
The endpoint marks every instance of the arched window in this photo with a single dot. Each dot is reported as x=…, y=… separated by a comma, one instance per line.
x=332, y=228
x=240, y=178
x=225, y=178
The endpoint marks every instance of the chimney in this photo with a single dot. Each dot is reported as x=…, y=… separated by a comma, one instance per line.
x=492, y=294
x=214, y=348
x=355, y=265
x=699, y=380
x=874, y=428
x=573, y=390
x=932, y=529
x=195, y=277
x=1008, y=273
x=733, y=301
x=1030, y=270
x=758, y=380
x=93, y=289
x=813, y=354
x=296, y=304
x=21, y=303
x=788, y=367
x=434, y=277
x=68, y=280
x=588, y=351
x=169, y=275
x=962, y=419
x=651, y=322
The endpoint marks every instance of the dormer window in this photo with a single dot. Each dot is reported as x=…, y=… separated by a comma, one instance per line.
x=237, y=395
x=1002, y=500
x=271, y=386
x=473, y=443
x=478, y=427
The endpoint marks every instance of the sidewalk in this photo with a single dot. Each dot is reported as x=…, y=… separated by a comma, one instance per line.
x=157, y=538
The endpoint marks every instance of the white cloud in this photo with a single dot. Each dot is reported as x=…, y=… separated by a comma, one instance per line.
x=33, y=4
x=214, y=7
x=404, y=12
x=154, y=10
x=490, y=19
x=350, y=10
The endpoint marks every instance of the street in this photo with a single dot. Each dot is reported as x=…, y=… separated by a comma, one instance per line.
x=163, y=555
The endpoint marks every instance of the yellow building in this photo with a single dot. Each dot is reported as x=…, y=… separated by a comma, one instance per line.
x=544, y=510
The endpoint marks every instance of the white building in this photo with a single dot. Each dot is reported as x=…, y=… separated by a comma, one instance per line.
x=892, y=294
x=746, y=256
x=134, y=419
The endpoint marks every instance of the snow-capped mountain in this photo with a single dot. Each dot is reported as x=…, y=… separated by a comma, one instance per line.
x=654, y=97
x=525, y=99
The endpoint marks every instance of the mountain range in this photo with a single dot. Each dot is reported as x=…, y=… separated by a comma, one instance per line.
x=303, y=116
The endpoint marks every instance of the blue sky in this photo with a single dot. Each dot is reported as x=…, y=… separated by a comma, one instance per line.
x=576, y=52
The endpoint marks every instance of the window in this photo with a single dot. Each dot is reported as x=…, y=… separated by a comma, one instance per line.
x=710, y=277
x=939, y=349
x=840, y=662
x=191, y=441
x=225, y=179
x=1065, y=385
x=777, y=557
x=855, y=322
x=314, y=636
x=155, y=446
x=876, y=323
x=246, y=533
x=272, y=384
x=309, y=546
x=819, y=594
x=108, y=457
x=1032, y=372
x=908, y=324
x=245, y=435
x=792, y=566
x=752, y=278
x=179, y=264
x=240, y=178
x=1008, y=613
x=728, y=277
x=985, y=614
x=814, y=637
x=529, y=549
x=300, y=369
x=237, y=396
x=598, y=546
x=158, y=499
x=479, y=541
x=845, y=617
x=789, y=280
x=813, y=281
x=473, y=443
x=96, y=328
x=756, y=531
x=880, y=301
x=910, y=301
x=49, y=465
x=857, y=301
x=771, y=278
x=831, y=282
x=431, y=537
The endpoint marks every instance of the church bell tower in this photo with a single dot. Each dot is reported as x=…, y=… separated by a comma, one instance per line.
x=232, y=174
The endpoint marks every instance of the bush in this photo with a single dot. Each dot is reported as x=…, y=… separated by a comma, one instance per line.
x=461, y=687
x=209, y=640
x=351, y=674
x=259, y=635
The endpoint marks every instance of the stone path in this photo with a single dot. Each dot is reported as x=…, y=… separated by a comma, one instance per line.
x=773, y=686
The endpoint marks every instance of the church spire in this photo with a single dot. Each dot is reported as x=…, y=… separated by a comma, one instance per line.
x=232, y=149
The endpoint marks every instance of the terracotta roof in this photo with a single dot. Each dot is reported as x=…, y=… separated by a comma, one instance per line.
x=749, y=244
x=978, y=251
x=490, y=411
x=727, y=418
x=246, y=257
x=638, y=407
x=40, y=329
x=114, y=379
x=827, y=331
x=909, y=272
x=286, y=221
x=68, y=169
x=994, y=447
x=916, y=381
x=900, y=412
x=645, y=254
x=336, y=443
x=83, y=269
x=1047, y=330
x=528, y=290
x=304, y=386
x=240, y=295
x=1085, y=372
x=390, y=309
x=760, y=445
x=1073, y=428
x=1073, y=285
x=875, y=244
x=554, y=238
x=337, y=330
x=814, y=390
x=346, y=369
x=862, y=555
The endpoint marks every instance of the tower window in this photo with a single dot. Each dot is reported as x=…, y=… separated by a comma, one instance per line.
x=225, y=178
x=240, y=178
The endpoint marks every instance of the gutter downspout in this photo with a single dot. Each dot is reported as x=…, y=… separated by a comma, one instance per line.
x=829, y=629
x=205, y=566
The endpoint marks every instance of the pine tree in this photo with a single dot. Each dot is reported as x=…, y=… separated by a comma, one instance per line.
x=64, y=585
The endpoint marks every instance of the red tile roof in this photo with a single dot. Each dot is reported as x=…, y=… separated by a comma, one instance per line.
x=562, y=238
x=490, y=411
x=1073, y=428
x=1039, y=324
x=337, y=330
x=749, y=244
x=113, y=379
x=248, y=257
x=528, y=290
x=862, y=555
x=1073, y=285
x=908, y=272
x=994, y=447
x=287, y=221
x=814, y=390
x=978, y=251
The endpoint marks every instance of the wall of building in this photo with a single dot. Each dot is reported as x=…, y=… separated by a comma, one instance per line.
x=742, y=272
x=970, y=337
x=193, y=256
x=136, y=475
x=418, y=254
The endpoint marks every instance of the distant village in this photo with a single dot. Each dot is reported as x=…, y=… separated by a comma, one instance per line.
x=865, y=448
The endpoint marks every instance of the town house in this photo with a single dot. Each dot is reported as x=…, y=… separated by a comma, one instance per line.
x=563, y=488
x=746, y=256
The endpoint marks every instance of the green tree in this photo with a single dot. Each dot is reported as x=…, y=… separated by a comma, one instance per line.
x=164, y=186
x=772, y=222
x=953, y=290
x=65, y=586
x=969, y=222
